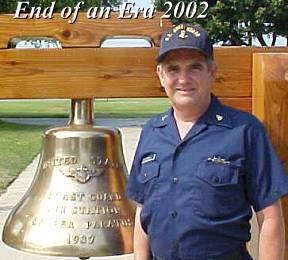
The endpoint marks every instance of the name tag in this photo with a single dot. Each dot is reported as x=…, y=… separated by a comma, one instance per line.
x=149, y=158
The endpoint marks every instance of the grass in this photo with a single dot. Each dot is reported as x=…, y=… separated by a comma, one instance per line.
x=19, y=144
x=103, y=108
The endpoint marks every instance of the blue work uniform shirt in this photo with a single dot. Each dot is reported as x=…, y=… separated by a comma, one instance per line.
x=197, y=192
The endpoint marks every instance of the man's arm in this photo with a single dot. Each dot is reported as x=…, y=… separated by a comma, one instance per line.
x=271, y=232
x=141, y=241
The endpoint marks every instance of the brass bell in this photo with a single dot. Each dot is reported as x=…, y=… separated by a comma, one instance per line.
x=76, y=204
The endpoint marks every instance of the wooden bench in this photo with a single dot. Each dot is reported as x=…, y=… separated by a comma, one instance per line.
x=251, y=79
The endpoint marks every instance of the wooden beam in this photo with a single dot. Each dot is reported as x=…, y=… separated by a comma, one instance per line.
x=83, y=33
x=234, y=71
x=270, y=95
x=106, y=73
x=241, y=103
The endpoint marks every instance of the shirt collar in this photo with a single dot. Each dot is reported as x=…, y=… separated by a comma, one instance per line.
x=164, y=118
x=216, y=114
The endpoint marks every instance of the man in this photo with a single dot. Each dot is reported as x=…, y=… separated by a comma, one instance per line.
x=200, y=167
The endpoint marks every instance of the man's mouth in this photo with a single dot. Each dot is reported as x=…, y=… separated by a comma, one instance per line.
x=185, y=89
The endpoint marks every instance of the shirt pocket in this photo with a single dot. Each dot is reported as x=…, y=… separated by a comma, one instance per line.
x=148, y=177
x=218, y=191
x=148, y=171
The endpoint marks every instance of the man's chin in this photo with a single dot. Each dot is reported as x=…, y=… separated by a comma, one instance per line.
x=185, y=101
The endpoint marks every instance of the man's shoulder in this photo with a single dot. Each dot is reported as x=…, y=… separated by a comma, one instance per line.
x=157, y=120
x=242, y=118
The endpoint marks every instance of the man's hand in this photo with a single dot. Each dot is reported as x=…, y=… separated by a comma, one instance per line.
x=271, y=232
x=141, y=241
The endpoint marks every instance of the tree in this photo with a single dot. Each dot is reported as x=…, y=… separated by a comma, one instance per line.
x=7, y=6
x=235, y=22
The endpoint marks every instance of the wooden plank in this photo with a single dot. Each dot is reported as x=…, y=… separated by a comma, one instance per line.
x=77, y=73
x=241, y=103
x=234, y=71
x=107, y=72
x=84, y=32
x=270, y=94
x=269, y=49
x=270, y=105
x=258, y=88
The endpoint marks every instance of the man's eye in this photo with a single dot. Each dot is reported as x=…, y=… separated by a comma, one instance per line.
x=196, y=67
x=172, y=69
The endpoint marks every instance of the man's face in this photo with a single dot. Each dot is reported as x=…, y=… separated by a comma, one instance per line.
x=186, y=78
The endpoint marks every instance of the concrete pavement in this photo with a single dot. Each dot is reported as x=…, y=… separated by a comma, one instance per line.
x=109, y=122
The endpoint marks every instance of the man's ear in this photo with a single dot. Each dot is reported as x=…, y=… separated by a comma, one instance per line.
x=159, y=73
x=213, y=70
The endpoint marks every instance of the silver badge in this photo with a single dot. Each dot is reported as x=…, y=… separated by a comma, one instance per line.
x=164, y=117
x=219, y=117
x=217, y=160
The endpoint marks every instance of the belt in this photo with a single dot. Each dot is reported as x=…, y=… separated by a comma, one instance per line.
x=238, y=254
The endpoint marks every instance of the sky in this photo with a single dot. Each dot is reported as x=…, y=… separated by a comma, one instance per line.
x=141, y=3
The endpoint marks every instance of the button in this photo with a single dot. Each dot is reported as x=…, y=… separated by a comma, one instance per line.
x=175, y=245
x=216, y=179
x=174, y=213
x=175, y=180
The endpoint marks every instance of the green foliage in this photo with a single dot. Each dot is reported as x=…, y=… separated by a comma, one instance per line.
x=7, y=6
x=235, y=21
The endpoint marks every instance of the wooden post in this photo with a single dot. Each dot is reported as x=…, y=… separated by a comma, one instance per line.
x=270, y=105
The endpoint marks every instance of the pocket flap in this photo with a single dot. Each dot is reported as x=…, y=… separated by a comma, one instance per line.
x=148, y=171
x=218, y=174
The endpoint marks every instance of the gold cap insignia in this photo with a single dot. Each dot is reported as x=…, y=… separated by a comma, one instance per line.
x=183, y=34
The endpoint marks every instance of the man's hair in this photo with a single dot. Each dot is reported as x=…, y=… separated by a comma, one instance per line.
x=209, y=61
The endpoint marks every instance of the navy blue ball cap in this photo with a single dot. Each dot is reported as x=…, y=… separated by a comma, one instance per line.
x=185, y=36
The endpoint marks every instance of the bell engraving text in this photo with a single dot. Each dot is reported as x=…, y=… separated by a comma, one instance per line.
x=105, y=196
x=66, y=196
x=81, y=239
x=109, y=223
x=83, y=210
x=98, y=161
x=60, y=223
x=80, y=196
x=90, y=224
x=60, y=161
x=104, y=162
x=79, y=169
x=64, y=223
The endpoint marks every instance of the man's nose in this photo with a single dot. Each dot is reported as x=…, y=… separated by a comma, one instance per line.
x=183, y=77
